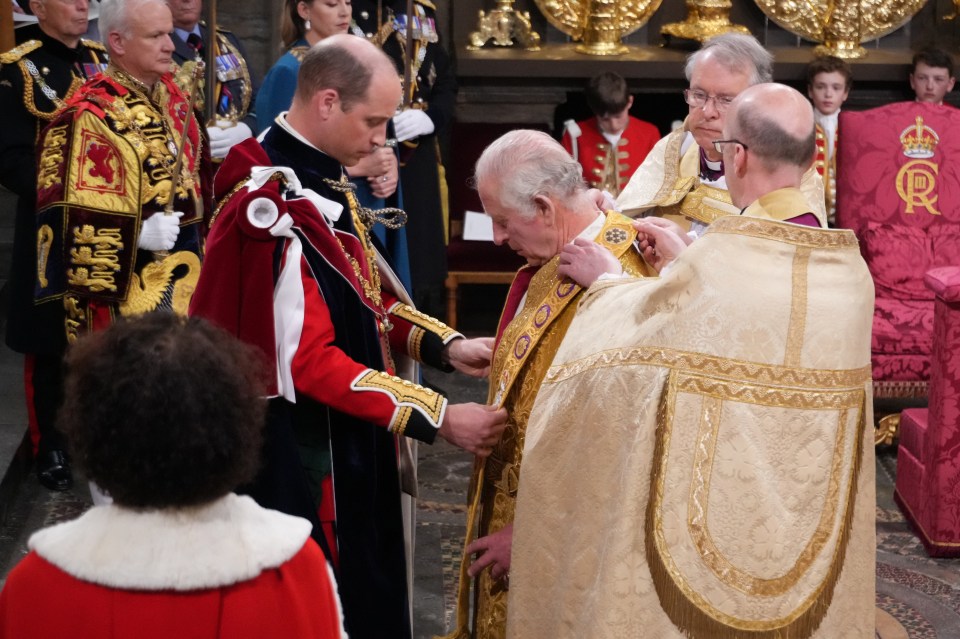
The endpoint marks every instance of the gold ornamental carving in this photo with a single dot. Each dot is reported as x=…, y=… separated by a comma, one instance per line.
x=705, y=19
x=598, y=25
x=502, y=26
x=841, y=25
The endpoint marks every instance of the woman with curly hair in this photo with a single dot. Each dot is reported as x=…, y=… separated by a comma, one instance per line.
x=165, y=414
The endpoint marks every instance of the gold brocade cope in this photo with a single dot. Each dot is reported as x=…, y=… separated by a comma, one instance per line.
x=520, y=362
x=841, y=25
x=598, y=24
x=667, y=184
x=698, y=461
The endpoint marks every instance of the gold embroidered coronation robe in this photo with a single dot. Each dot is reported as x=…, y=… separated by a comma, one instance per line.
x=668, y=185
x=522, y=357
x=698, y=461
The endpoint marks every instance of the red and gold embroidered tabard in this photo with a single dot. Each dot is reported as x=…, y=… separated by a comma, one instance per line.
x=105, y=165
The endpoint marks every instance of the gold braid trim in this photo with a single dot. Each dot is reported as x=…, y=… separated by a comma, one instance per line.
x=784, y=232
x=14, y=54
x=408, y=396
x=424, y=322
x=718, y=367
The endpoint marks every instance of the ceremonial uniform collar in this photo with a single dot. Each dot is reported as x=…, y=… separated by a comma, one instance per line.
x=127, y=81
x=292, y=144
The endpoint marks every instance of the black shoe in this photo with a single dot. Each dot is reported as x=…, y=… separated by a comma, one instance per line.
x=53, y=470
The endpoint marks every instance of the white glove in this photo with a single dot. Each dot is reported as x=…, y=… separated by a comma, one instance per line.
x=159, y=231
x=225, y=135
x=412, y=123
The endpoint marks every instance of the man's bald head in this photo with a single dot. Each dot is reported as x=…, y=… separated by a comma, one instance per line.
x=776, y=123
x=345, y=63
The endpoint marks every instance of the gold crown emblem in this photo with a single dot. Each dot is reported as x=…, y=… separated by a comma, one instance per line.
x=919, y=140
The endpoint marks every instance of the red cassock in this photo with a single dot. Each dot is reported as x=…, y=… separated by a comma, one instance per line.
x=598, y=159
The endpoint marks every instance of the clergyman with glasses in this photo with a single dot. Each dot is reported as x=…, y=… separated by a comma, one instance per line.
x=682, y=178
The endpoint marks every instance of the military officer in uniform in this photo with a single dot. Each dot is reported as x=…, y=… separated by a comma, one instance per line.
x=235, y=91
x=428, y=108
x=36, y=78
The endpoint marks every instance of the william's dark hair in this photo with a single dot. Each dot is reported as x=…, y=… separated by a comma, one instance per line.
x=332, y=66
x=933, y=57
x=607, y=94
x=162, y=411
x=770, y=142
x=829, y=64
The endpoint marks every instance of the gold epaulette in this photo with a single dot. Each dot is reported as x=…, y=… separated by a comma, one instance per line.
x=93, y=44
x=14, y=54
x=427, y=4
x=299, y=53
x=203, y=23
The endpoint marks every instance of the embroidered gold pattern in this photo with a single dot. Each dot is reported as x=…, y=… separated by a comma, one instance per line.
x=424, y=321
x=798, y=307
x=415, y=342
x=521, y=335
x=44, y=242
x=404, y=393
x=399, y=426
x=156, y=288
x=712, y=366
x=153, y=137
x=95, y=256
x=51, y=157
x=783, y=232
x=74, y=317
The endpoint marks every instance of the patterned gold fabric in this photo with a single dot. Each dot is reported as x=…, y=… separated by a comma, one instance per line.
x=698, y=462
x=667, y=184
x=522, y=358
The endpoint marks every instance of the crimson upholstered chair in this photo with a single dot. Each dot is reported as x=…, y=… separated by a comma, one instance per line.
x=928, y=457
x=898, y=188
x=472, y=261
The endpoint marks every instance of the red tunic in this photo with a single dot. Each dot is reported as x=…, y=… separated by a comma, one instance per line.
x=594, y=153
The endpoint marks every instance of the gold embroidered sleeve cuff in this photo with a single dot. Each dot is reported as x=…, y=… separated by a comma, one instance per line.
x=418, y=411
x=428, y=336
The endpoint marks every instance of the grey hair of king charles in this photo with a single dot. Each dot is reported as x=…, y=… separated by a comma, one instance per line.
x=526, y=163
x=738, y=53
x=115, y=16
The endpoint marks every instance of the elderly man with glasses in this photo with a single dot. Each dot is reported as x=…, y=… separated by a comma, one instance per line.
x=683, y=177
